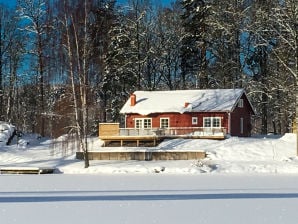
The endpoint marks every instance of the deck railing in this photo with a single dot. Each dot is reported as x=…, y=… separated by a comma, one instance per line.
x=177, y=131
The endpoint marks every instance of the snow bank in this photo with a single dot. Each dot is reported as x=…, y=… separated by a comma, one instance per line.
x=6, y=131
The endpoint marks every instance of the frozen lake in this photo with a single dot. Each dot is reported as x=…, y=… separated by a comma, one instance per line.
x=156, y=198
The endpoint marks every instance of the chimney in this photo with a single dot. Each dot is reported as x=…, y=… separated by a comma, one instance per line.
x=133, y=99
x=186, y=104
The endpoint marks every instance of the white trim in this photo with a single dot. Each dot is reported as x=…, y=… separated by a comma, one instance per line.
x=194, y=120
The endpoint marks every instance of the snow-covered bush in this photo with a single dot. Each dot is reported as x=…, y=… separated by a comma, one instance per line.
x=6, y=132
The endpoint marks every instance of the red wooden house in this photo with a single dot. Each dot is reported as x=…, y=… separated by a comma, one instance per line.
x=225, y=111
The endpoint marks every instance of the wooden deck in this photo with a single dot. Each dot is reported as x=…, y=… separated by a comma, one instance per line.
x=148, y=140
x=112, y=135
x=127, y=140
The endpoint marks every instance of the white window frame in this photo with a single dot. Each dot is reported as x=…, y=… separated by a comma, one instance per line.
x=204, y=122
x=142, y=123
x=138, y=123
x=212, y=122
x=194, y=120
x=161, y=123
x=241, y=103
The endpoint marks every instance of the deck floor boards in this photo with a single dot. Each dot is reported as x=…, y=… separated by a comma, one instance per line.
x=148, y=140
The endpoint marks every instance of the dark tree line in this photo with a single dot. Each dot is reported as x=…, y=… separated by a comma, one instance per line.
x=66, y=65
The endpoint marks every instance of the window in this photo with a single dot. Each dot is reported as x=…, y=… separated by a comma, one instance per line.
x=194, y=120
x=138, y=123
x=241, y=125
x=240, y=103
x=212, y=122
x=147, y=123
x=216, y=122
x=164, y=122
x=207, y=122
x=143, y=123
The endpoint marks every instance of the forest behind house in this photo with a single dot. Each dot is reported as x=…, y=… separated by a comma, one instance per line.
x=67, y=65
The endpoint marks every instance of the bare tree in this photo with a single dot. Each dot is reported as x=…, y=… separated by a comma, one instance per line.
x=169, y=33
x=77, y=48
x=285, y=28
x=33, y=14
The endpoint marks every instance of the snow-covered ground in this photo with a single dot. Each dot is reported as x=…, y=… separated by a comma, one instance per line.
x=148, y=199
x=243, y=180
x=269, y=154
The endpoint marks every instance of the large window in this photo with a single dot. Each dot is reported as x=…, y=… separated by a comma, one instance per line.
x=212, y=122
x=143, y=123
x=164, y=122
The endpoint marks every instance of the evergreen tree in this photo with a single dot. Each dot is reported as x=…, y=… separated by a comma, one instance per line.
x=120, y=78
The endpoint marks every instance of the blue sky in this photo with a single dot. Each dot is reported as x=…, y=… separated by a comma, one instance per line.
x=8, y=2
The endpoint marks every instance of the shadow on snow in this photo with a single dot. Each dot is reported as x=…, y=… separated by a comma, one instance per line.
x=146, y=197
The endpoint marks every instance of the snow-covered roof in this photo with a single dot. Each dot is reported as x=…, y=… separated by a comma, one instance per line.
x=181, y=101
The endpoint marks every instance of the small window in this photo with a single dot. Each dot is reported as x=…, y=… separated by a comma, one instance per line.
x=194, y=120
x=164, y=122
x=240, y=103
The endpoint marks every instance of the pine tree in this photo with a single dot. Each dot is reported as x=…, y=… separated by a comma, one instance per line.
x=120, y=78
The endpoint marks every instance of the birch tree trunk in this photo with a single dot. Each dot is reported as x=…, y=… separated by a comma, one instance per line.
x=84, y=85
x=72, y=77
x=83, y=82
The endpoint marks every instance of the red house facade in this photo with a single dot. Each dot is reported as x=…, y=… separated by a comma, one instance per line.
x=219, y=109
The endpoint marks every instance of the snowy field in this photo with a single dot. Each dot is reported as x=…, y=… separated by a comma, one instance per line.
x=147, y=199
x=243, y=180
